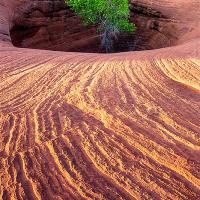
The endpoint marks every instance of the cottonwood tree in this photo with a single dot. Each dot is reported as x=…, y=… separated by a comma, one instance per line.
x=110, y=16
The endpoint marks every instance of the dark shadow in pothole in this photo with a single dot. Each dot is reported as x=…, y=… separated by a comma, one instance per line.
x=51, y=25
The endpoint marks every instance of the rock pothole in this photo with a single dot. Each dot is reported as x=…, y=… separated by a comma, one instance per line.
x=51, y=25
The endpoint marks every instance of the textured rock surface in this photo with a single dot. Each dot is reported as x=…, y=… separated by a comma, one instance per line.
x=91, y=126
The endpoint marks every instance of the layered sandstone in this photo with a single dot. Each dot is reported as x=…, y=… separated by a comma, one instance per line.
x=96, y=126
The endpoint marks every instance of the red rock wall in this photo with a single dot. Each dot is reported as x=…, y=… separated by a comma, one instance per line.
x=51, y=25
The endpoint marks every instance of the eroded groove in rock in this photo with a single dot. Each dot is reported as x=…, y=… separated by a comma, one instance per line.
x=95, y=126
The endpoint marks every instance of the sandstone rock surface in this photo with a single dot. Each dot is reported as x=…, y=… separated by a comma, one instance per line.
x=96, y=126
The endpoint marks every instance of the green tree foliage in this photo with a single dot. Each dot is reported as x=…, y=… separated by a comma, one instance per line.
x=111, y=16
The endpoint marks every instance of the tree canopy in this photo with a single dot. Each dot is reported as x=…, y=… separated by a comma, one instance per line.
x=112, y=16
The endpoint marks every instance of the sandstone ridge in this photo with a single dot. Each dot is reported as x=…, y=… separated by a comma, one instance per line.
x=96, y=126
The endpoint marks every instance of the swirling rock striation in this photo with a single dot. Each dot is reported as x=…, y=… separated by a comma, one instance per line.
x=96, y=126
